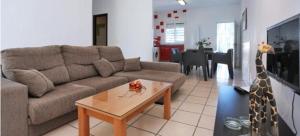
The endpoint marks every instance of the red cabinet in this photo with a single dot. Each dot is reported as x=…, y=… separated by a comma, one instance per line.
x=165, y=51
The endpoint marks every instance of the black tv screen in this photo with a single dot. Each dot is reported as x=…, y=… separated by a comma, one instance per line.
x=284, y=64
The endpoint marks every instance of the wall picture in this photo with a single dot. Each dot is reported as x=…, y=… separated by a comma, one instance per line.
x=244, y=20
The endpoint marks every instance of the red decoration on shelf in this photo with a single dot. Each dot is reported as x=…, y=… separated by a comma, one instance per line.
x=162, y=30
x=175, y=11
x=155, y=16
x=176, y=17
x=157, y=41
x=169, y=15
x=161, y=23
x=184, y=10
x=157, y=27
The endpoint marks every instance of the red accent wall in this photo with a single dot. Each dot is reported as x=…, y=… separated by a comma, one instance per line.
x=165, y=51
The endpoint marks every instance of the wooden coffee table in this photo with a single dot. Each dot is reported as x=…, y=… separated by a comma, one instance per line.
x=118, y=105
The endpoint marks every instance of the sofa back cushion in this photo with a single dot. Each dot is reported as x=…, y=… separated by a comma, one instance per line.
x=104, y=67
x=114, y=55
x=48, y=60
x=79, y=61
x=133, y=64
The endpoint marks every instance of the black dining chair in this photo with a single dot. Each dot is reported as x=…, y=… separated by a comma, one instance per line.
x=222, y=58
x=195, y=58
x=209, y=55
x=176, y=56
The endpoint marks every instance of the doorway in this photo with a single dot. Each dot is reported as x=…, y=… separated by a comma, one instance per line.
x=100, y=29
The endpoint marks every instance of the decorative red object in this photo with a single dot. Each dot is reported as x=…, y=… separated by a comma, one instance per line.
x=155, y=16
x=169, y=15
x=165, y=51
x=162, y=30
x=176, y=17
x=157, y=41
x=157, y=27
x=135, y=85
x=184, y=10
x=161, y=23
x=175, y=11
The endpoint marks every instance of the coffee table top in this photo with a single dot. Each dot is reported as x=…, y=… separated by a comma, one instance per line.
x=119, y=100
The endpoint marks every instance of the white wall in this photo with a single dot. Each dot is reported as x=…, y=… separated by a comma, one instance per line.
x=261, y=15
x=202, y=22
x=129, y=25
x=45, y=22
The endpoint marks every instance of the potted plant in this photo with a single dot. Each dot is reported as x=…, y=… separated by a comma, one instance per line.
x=203, y=43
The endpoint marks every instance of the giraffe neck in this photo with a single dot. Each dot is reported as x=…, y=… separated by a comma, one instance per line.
x=260, y=69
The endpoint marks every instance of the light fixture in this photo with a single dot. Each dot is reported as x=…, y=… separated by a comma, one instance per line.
x=181, y=2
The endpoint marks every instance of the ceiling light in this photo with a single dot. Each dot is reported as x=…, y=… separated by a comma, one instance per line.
x=181, y=2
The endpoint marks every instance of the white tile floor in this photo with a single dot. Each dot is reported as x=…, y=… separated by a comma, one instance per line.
x=193, y=112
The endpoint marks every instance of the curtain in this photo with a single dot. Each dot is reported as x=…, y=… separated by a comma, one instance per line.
x=225, y=36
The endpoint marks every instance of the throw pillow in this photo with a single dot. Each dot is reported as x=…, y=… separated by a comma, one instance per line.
x=104, y=67
x=38, y=84
x=132, y=64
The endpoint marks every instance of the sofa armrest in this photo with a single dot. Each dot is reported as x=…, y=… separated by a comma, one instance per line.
x=162, y=66
x=14, y=106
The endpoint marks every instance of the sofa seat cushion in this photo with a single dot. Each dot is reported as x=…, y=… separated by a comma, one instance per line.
x=172, y=77
x=57, y=102
x=102, y=83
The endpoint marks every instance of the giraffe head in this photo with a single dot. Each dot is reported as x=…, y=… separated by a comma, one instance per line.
x=265, y=48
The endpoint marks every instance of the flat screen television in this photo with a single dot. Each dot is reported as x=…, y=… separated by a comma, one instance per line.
x=284, y=64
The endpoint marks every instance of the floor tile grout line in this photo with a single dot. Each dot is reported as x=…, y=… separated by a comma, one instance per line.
x=159, y=117
x=191, y=111
x=201, y=104
x=183, y=123
x=97, y=124
x=131, y=124
x=195, y=81
x=203, y=110
x=90, y=127
x=175, y=120
x=176, y=109
x=143, y=130
x=142, y=115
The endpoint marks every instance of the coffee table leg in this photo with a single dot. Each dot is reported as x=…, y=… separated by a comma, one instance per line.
x=167, y=104
x=119, y=127
x=83, y=119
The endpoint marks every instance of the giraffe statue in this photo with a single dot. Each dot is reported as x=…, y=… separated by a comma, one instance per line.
x=261, y=92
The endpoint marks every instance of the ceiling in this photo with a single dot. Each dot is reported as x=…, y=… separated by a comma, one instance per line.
x=161, y=5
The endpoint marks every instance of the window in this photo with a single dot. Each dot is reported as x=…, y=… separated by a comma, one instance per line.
x=175, y=33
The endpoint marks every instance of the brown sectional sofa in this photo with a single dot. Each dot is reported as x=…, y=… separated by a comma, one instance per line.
x=71, y=70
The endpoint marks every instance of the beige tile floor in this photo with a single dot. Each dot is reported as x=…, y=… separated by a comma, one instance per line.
x=193, y=111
